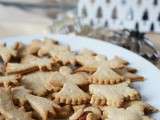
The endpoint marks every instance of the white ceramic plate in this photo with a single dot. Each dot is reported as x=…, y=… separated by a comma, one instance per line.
x=150, y=88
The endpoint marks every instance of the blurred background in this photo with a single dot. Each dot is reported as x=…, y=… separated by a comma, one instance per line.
x=134, y=25
x=21, y=17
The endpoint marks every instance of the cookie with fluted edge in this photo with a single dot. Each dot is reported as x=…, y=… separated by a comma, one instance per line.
x=91, y=63
x=71, y=94
x=112, y=95
x=105, y=75
x=66, y=74
x=136, y=111
x=90, y=59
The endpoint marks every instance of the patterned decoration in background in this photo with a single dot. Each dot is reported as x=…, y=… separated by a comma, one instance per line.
x=142, y=15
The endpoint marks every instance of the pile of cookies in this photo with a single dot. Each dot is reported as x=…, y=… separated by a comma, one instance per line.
x=45, y=80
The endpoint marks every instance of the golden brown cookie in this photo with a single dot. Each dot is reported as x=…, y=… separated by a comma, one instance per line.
x=10, y=79
x=65, y=75
x=90, y=60
x=42, y=106
x=87, y=113
x=30, y=66
x=129, y=74
x=117, y=62
x=71, y=94
x=20, y=48
x=19, y=94
x=88, y=52
x=64, y=112
x=38, y=82
x=6, y=53
x=112, y=95
x=113, y=113
x=9, y=110
x=142, y=107
x=17, y=68
x=77, y=114
x=42, y=63
x=64, y=56
x=54, y=81
x=92, y=63
x=34, y=47
x=105, y=75
x=48, y=44
x=28, y=58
